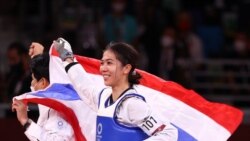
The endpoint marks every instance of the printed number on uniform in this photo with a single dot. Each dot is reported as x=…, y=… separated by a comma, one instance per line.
x=149, y=123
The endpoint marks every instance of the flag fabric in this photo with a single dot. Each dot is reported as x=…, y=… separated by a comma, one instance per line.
x=195, y=117
x=60, y=97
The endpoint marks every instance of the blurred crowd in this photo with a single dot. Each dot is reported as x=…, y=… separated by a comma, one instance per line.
x=163, y=31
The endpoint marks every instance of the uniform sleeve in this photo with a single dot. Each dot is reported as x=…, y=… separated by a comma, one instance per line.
x=55, y=129
x=137, y=112
x=85, y=86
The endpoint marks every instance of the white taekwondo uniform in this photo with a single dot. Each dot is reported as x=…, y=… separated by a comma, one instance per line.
x=133, y=111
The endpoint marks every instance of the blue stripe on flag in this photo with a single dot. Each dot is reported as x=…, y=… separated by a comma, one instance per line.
x=59, y=91
x=183, y=135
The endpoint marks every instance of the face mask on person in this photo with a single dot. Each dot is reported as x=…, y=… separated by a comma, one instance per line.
x=240, y=45
x=167, y=41
x=118, y=6
x=32, y=88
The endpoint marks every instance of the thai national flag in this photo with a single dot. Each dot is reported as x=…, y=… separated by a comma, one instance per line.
x=195, y=117
x=64, y=99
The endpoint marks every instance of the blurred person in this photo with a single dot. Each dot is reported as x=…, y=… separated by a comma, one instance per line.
x=189, y=44
x=240, y=46
x=87, y=33
x=238, y=51
x=17, y=80
x=211, y=33
x=167, y=60
x=155, y=20
x=117, y=25
x=188, y=47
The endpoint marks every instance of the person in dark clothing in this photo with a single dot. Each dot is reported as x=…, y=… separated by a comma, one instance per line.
x=17, y=80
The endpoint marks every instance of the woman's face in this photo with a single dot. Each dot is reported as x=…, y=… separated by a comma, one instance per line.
x=38, y=84
x=35, y=83
x=111, y=69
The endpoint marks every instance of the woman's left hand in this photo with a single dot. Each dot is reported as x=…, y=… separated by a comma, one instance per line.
x=21, y=109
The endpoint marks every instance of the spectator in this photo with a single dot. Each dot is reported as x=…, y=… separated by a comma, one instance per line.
x=240, y=50
x=211, y=33
x=188, y=47
x=150, y=39
x=189, y=44
x=118, y=26
x=18, y=77
x=168, y=43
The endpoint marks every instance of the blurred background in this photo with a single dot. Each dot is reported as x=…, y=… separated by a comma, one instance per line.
x=202, y=44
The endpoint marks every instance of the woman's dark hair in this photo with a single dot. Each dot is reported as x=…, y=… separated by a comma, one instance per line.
x=39, y=65
x=126, y=54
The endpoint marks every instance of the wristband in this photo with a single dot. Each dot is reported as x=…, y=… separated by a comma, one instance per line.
x=70, y=65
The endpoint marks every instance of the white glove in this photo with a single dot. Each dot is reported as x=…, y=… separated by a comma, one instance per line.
x=63, y=48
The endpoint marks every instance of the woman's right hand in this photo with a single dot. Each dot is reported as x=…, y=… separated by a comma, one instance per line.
x=64, y=49
x=35, y=49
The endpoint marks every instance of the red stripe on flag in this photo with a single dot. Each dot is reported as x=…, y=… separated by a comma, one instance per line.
x=68, y=114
